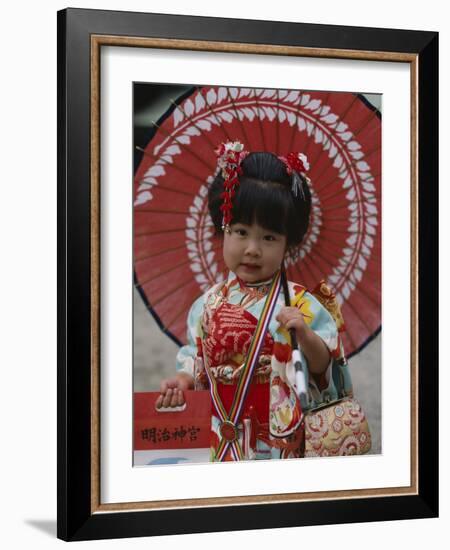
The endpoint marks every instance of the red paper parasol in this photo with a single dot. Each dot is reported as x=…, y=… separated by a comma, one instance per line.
x=176, y=255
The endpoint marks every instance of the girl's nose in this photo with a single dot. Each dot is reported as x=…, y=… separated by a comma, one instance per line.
x=253, y=248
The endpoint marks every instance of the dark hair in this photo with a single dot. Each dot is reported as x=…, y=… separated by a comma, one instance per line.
x=264, y=196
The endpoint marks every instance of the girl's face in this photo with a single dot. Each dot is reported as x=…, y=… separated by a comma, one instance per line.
x=253, y=253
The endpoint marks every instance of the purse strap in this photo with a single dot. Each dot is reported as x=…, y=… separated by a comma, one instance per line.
x=229, y=421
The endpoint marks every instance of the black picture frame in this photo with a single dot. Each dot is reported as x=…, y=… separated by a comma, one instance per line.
x=79, y=515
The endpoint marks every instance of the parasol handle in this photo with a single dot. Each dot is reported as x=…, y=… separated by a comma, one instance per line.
x=300, y=377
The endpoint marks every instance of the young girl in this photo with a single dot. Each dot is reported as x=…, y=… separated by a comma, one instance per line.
x=240, y=331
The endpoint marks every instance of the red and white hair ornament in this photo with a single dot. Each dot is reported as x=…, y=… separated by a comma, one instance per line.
x=295, y=161
x=296, y=165
x=229, y=158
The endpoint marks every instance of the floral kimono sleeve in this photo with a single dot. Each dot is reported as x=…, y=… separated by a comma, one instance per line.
x=318, y=318
x=187, y=354
x=322, y=323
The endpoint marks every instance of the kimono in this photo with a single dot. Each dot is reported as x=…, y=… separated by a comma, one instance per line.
x=221, y=324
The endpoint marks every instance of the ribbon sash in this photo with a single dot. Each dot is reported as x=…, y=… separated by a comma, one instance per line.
x=231, y=419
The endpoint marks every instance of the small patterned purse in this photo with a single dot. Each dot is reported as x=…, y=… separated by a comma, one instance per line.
x=335, y=424
x=337, y=429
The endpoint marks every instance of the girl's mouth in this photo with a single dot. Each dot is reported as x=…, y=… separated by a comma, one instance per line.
x=250, y=267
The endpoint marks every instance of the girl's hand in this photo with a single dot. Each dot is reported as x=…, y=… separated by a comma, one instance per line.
x=172, y=390
x=314, y=348
x=291, y=317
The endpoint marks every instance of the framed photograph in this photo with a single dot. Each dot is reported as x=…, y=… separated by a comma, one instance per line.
x=150, y=108
x=178, y=254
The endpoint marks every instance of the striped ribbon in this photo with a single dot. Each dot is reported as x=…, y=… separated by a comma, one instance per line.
x=245, y=378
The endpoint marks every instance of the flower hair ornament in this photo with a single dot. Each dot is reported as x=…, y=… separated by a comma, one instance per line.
x=229, y=158
x=296, y=166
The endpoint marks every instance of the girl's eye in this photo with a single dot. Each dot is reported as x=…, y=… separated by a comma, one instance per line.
x=269, y=238
x=241, y=232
